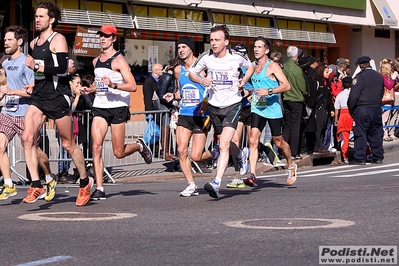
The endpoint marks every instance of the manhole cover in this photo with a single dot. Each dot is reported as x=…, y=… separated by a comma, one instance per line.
x=290, y=223
x=75, y=216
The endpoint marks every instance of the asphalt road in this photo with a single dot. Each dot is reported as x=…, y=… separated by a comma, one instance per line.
x=146, y=223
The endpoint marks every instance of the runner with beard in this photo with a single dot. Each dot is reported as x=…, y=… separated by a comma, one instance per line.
x=50, y=98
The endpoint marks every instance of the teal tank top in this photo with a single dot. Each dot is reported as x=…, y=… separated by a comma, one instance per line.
x=266, y=106
x=191, y=95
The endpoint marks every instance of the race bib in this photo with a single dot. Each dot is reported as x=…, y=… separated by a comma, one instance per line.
x=191, y=97
x=100, y=86
x=222, y=78
x=12, y=103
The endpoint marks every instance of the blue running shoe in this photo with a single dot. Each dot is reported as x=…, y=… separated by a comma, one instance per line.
x=243, y=162
x=212, y=188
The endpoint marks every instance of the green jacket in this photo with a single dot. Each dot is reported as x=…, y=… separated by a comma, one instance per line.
x=297, y=81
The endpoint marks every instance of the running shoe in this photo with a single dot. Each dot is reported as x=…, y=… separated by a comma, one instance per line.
x=98, y=195
x=50, y=188
x=251, y=181
x=191, y=190
x=243, y=162
x=291, y=172
x=84, y=193
x=212, y=188
x=146, y=153
x=34, y=193
x=8, y=192
x=236, y=183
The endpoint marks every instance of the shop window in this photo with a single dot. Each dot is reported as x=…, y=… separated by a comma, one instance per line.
x=178, y=13
x=263, y=22
x=157, y=12
x=194, y=15
x=142, y=54
x=294, y=25
x=251, y=21
x=112, y=8
x=232, y=19
x=70, y=4
x=140, y=11
x=95, y=6
x=219, y=18
x=309, y=26
x=283, y=24
x=320, y=27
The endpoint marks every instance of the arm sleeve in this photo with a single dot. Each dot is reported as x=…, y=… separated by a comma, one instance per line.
x=60, y=62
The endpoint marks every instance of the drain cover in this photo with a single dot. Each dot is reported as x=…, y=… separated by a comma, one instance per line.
x=290, y=223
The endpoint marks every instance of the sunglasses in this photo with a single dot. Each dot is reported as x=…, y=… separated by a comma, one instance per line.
x=105, y=35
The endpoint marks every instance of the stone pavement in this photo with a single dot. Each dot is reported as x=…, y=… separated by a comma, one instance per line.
x=164, y=170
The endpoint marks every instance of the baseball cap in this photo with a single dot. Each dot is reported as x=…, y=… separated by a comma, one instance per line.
x=108, y=30
x=341, y=61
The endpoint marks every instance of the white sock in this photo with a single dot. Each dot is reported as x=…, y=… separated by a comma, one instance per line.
x=141, y=148
x=218, y=179
x=101, y=189
x=191, y=183
x=8, y=182
x=49, y=178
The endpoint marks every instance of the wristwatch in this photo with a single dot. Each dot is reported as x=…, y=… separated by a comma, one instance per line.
x=270, y=91
x=115, y=86
x=36, y=67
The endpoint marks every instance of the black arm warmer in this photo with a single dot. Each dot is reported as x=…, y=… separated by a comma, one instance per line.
x=62, y=68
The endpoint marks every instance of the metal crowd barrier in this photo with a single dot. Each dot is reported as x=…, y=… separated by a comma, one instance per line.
x=134, y=129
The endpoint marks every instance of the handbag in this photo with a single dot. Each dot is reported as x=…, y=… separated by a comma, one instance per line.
x=388, y=96
x=152, y=132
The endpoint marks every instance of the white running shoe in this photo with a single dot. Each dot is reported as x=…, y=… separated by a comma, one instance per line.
x=191, y=190
x=243, y=162
x=212, y=188
x=291, y=178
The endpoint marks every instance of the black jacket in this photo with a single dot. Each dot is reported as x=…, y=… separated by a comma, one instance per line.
x=166, y=83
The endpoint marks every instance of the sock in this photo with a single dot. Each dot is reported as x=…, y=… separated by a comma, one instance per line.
x=141, y=146
x=240, y=155
x=101, y=189
x=8, y=182
x=49, y=178
x=191, y=183
x=218, y=179
x=215, y=154
x=83, y=182
x=37, y=183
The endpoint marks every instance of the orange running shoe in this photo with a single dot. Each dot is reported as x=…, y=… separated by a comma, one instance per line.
x=34, y=193
x=84, y=193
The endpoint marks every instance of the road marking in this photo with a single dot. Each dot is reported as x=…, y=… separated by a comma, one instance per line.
x=332, y=223
x=75, y=216
x=333, y=171
x=45, y=261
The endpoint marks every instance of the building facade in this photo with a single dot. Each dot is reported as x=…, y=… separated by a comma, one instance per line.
x=149, y=29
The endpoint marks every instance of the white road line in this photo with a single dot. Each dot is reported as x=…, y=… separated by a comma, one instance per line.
x=369, y=173
x=45, y=261
x=75, y=216
x=334, y=171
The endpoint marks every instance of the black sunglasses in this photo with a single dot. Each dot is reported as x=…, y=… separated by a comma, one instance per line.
x=102, y=34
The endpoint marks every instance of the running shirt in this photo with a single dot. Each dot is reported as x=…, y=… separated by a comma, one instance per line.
x=107, y=97
x=265, y=106
x=47, y=86
x=225, y=73
x=18, y=75
x=191, y=94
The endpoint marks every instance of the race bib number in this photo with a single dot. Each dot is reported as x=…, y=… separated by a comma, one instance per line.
x=222, y=78
x=259, y=101
x=190, y=97
x=100, y=86
x=12, y=103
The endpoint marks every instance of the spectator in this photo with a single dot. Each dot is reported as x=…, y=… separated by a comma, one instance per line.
x=342, y=119
x=389, y=83
x=293, y=101
x=364, y=105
